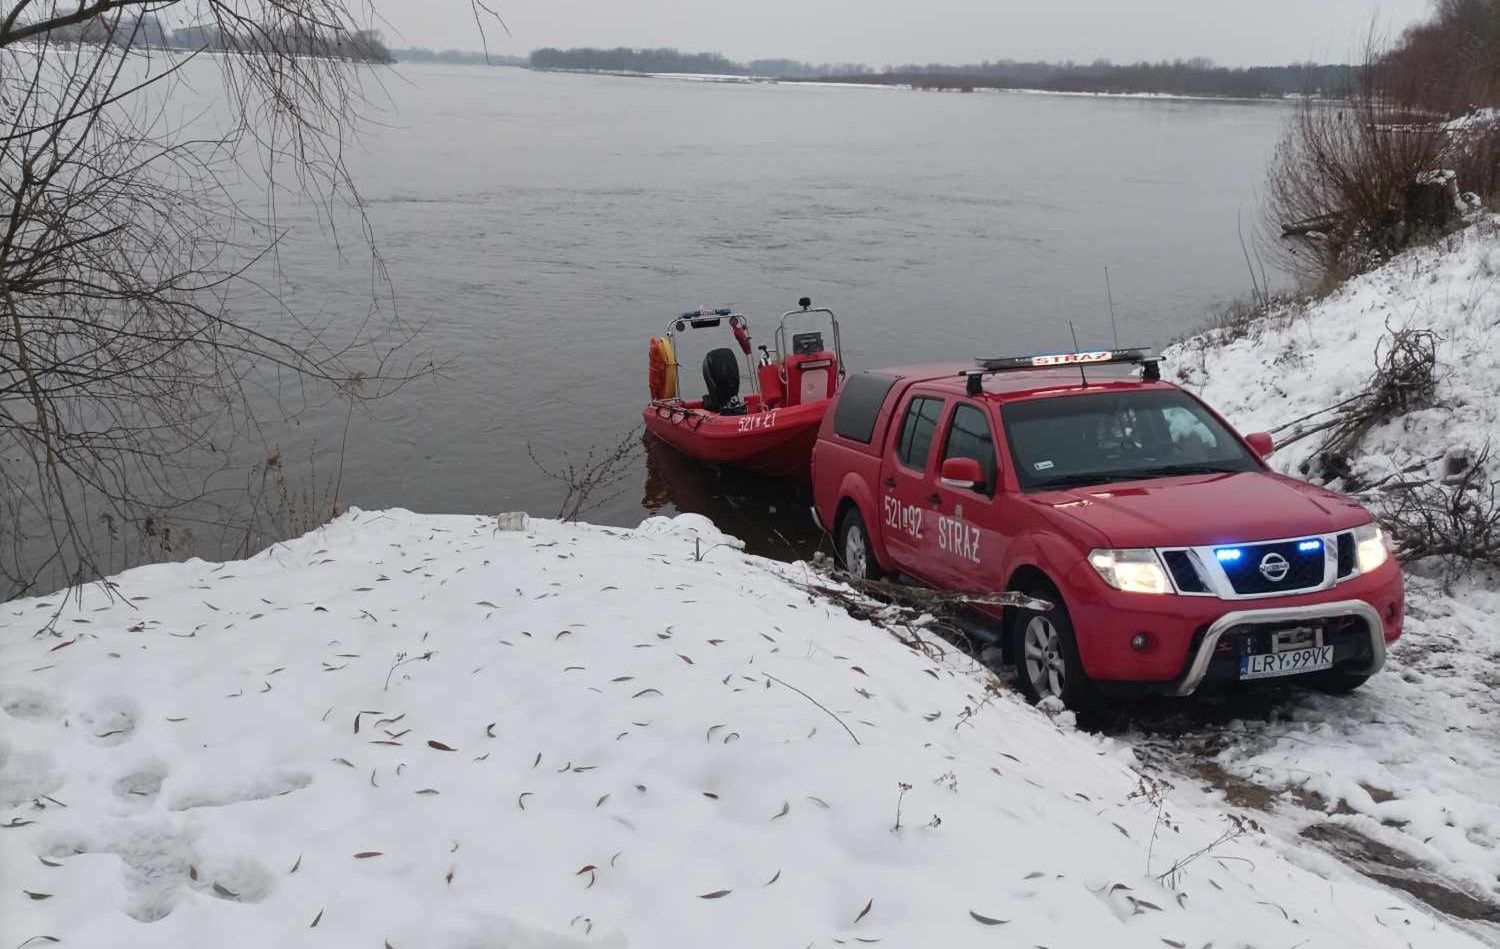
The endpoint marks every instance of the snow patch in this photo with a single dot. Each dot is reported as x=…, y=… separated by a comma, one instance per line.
x=576, y=736
x=236, y=790
x=1412, y=759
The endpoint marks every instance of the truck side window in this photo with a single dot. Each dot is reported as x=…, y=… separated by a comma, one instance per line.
x=859, y=405
x=917, y=430
x=969, y=436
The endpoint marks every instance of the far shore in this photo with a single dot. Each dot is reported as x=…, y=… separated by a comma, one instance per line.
x=909, y=87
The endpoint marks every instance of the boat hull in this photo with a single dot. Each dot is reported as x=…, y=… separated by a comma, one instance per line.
x=777, y=442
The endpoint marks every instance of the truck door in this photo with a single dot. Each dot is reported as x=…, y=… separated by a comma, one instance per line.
x=967, y=540
x=906, y=494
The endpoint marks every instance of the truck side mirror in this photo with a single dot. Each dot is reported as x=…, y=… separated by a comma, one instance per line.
x=962, y=473
x=1263, y=444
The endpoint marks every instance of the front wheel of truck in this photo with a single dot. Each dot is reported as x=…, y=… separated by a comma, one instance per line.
x=1046, y=653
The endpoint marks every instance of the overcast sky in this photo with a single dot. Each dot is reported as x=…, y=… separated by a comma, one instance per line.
x=880, y=32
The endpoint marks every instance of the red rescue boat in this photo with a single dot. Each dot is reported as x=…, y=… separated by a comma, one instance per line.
x=771, y=430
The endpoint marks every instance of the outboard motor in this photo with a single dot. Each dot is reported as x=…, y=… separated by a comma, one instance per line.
x=721, y=373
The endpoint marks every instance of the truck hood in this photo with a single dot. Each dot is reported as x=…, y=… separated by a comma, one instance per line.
x=1199, y=510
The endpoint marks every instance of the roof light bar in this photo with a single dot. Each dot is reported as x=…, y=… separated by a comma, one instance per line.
x=1146, y=358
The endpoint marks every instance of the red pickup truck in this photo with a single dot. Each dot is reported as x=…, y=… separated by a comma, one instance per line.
x=1171, y=554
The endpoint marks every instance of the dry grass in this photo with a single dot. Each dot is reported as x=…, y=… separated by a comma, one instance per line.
x=594, y=479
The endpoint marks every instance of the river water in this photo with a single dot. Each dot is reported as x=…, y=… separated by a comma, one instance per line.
x=545, y=225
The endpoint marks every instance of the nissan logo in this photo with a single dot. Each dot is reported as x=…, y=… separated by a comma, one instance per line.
x=1274, y=567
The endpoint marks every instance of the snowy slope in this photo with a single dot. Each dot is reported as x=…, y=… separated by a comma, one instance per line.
x=1413, y=760
x=1306, y=358
x=604, y=747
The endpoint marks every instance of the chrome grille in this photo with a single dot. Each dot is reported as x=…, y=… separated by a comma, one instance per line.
x=1276, y=568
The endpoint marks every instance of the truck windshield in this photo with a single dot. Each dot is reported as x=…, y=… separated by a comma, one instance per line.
x=1079, y=440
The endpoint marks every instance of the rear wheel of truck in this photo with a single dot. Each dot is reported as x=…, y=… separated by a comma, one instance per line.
x=1046, y=653
x=855, y=552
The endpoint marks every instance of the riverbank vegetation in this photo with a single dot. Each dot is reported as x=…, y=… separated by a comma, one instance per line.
x=149, y=362
x=1413, y=149
x=146, y=30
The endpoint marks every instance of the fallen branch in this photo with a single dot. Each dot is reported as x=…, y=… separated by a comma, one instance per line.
x=897, y=606
x=1312, y=415
x=909, y=596
x=815, y=702
x=1404, y=380
x=1321, y=224
x=1457, y=522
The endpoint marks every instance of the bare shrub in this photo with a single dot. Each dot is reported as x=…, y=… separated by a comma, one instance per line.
x=131, y=368
x=1342, y=179
x=1356, y=181
x=1474, y=154
x=1457, y=521
x=594, y=479
x=278, y=507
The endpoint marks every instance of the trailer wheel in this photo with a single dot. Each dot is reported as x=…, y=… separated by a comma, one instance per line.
x=855, y=552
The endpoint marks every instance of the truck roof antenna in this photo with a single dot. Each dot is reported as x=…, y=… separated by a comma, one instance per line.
x=1081, y=374
x=1110, y=291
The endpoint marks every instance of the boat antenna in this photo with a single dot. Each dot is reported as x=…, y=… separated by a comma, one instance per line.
x=1111, y=293
x=1081, y=374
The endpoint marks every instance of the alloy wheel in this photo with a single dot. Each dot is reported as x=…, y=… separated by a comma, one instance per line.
x=1045, y=665
x=856, y=554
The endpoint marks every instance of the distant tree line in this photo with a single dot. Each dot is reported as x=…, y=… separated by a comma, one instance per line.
x=793, y=69
x=623, y=59
x=421, y=54
x=667, y=60
x=1184, y=77
x=147, y=31
x=1450, y=63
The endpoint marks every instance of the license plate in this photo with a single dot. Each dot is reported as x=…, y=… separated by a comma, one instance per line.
x=1292, y=662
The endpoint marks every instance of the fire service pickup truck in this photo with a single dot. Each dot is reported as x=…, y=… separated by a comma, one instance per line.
x=1171, y=555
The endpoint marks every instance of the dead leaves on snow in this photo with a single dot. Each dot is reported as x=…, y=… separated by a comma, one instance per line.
x=987, y=920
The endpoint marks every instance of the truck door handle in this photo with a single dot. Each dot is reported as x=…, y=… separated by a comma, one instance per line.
x=890, y=482
x=935, y=499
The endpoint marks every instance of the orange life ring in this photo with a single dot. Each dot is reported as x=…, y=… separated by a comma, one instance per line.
x=663, y=372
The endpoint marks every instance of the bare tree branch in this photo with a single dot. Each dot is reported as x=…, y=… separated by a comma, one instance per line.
x=145, y=346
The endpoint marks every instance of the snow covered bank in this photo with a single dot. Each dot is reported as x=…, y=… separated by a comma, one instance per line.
x=1412, y=761
x=1303, y=359
x=424, y=731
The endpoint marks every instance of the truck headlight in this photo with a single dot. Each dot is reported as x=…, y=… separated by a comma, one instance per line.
x=1372, y=548
x=1131, y=571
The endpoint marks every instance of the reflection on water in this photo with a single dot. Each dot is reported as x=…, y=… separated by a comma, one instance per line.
x=772, y=516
